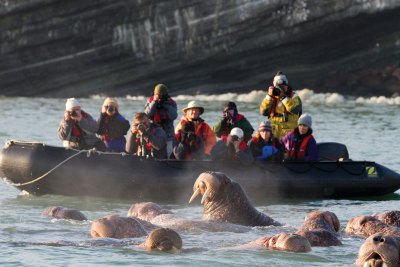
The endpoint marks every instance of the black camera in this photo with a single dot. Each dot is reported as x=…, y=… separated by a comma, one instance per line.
x=73, y=113
x=235, y=137
x=111, y=109
x=142, y=128
x=191, y=136
x=277, y=91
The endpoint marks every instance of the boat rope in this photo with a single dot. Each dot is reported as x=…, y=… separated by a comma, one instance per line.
x=50, y=171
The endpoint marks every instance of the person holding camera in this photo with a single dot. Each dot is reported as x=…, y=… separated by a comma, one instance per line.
x=78, y=129
x=112, y=126
x=192, y=114
x=281, y=105
x=231, y=119
x=190, y=146
x=162, y=109
x=147, y=139
x=264, y=146
x=232, y=147
x=300, y=143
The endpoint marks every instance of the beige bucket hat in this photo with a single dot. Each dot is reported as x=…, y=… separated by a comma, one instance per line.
x=193, y=104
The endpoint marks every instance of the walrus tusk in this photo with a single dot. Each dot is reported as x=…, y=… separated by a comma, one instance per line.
x=204, y=196
x=195, y=194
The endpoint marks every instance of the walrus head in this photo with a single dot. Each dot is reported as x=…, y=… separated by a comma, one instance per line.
x=208, y=184
x=288, y=242
x=146, y=211
x=365, y=226
x=379, y=250
x=64, y=213
x=321, y=220
x=163, y=239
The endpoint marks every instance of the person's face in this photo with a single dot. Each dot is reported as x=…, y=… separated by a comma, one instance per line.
x=231, y=112
x=193, y=113
x=76, y=110
x=144, y=121
x=157, y=96
x=303, y=129
x=265, y=135
x=110, y=110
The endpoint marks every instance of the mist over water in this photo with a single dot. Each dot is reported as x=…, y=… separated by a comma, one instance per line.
x=369, y=127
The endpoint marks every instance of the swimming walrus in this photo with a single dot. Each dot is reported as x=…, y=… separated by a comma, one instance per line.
x=320, y=228
x=282, y=241
x=115, y=226
x=379, y=250
x=366, y=226
x=163, y=239
x=225, y=201
x=64, y=213
x=389, y=217
x=154, y=214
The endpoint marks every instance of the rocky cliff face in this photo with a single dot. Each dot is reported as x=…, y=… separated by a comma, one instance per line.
x=118, y=47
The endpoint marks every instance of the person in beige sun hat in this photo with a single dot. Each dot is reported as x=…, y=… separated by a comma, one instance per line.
x=192, y=113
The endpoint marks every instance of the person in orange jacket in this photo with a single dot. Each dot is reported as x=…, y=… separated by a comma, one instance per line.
x=192, y=113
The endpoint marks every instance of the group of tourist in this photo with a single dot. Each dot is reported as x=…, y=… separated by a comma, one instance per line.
x=285, y=135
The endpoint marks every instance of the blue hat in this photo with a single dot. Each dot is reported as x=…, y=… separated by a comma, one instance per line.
x=267, y=151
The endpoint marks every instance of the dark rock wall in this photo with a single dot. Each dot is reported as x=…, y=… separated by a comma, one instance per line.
x=118, y=47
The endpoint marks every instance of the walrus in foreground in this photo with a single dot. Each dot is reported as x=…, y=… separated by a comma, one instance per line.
x=115, y=226
x=163, y=239
x=282, y=241
x=225, y=201
x=379, y=250
x=366, y=226
x=320, y=228
x=64, y=213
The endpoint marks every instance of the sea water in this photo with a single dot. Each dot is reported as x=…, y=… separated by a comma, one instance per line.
x=369, y=127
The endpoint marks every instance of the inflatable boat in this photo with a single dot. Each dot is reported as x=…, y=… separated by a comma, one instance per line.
x=41, y=169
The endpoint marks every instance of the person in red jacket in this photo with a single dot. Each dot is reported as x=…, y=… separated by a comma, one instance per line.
x=192, y=113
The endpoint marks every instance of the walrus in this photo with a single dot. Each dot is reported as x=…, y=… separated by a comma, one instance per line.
x=379, y=250
x=115, y=226
x=154, y=214
x=163, y=239
x=366, y=226
x=64, y=213
x=390, y=217
x=283, y=241
x=225, y=201
x=320, y=228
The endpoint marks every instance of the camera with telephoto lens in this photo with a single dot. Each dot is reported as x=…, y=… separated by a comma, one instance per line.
x=110, y=109
x=276, y=91
x=73, y=113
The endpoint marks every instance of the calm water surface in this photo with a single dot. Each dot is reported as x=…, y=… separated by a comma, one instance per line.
x=369, y=127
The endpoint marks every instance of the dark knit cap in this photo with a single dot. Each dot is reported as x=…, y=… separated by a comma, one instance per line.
x=230, y=105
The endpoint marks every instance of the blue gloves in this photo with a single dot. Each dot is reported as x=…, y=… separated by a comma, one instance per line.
x=267, y=151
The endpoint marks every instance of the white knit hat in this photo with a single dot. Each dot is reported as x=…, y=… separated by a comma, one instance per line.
x=237, y=131
x=280, y=79
x=72, y=103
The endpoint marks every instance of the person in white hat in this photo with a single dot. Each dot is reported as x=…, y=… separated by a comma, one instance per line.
x=112, y=126
x=264, y=145
x=192, y=113
x=232, y=147
x=300, y=143
x=78, y=129
x=281, y=105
